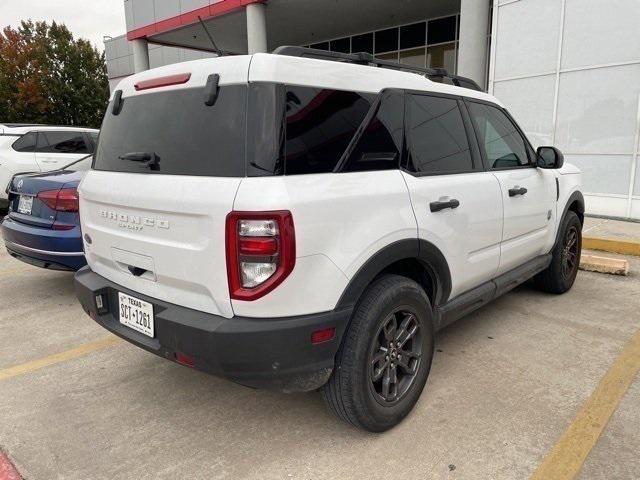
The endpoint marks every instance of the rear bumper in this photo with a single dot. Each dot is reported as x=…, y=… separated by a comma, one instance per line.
x=42, y=247
x=270, y=353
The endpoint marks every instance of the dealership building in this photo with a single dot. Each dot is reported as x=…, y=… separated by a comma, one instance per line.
x=568, y=70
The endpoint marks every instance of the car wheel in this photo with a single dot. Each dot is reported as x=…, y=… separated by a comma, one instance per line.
x=385, y=358
x=561, y=273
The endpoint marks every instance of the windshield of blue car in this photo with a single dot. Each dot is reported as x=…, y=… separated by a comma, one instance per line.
x=81, y=165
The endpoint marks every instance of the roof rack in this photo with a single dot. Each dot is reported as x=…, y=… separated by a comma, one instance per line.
x=363, y=58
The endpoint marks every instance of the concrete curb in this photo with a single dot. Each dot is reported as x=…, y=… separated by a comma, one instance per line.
x=624, y=247
x=595, y=263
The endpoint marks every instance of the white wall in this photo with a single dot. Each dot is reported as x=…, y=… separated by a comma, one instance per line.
x=569, y=70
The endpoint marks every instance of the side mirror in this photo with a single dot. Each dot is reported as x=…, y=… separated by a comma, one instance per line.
x=549, y=157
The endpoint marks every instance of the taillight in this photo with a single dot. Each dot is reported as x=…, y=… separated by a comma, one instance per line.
x=261, y=252
x=64, y=200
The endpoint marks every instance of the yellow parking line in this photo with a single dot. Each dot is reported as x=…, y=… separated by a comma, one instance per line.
x=58, y=357
x=564, y=461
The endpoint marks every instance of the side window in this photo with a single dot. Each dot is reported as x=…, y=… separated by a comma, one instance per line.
x=26, y=143
x=61, y=142
x=498, y=137
x=93, y=141
x=380, y=145
x=436, y=136
x=320, y=124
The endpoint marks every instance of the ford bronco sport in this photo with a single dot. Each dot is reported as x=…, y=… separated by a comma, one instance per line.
x=306, y=220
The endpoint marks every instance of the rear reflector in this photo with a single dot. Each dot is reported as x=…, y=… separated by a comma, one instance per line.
x=177, y=79
x=184, y=359
x=324, y=335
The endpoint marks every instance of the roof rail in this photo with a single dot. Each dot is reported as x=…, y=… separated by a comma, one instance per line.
x=363, y=58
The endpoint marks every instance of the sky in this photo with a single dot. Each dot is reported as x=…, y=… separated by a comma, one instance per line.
x=89, y=19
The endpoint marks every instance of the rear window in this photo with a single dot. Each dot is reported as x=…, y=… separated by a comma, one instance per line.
x=186, y=136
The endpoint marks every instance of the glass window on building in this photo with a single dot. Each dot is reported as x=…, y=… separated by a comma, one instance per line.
x=442, y=56
x=429, y=43
x=415, y=57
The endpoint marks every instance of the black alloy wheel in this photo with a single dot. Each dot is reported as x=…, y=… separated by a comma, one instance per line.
x=570, y=252
x=395, y=356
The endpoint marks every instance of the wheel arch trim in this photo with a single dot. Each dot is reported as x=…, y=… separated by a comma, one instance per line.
x=575, y=197
x=421, y=250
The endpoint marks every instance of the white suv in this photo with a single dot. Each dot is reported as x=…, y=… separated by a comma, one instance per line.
x=292, y=222
x=26, y=148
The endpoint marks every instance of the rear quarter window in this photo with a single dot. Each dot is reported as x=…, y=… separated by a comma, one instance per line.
x=320, y=124
x=186, y=136
x=26, y=143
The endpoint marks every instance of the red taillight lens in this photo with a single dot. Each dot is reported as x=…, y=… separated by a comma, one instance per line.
x=49, y=198
x=261, y=252
x=258, y=246
x=68, y=200
x=64, y=200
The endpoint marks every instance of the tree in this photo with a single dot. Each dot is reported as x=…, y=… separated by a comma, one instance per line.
x=46, y=76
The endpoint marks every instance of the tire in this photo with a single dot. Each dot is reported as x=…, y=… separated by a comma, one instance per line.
x=561, y=273
x=361, y=390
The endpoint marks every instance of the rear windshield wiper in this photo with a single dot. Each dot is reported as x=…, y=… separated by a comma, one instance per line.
x=150, y=159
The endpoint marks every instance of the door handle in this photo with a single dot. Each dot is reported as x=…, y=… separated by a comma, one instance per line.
x=517, y=191
x=441, y=205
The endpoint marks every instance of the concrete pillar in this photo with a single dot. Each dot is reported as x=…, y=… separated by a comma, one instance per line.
x=140, y=54
x=256, y=28
x=472, y=49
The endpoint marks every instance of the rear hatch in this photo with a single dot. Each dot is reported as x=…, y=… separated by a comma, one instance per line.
x=166, y=171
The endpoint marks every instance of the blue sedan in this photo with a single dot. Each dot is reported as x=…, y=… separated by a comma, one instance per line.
x=42, y=227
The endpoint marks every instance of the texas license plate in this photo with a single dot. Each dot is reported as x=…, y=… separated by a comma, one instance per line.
x=25, y=204
x=136, y=314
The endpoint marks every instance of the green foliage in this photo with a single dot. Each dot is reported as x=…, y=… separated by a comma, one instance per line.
x=46, y=76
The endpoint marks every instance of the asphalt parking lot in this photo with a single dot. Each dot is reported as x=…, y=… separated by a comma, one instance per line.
x=506, y=383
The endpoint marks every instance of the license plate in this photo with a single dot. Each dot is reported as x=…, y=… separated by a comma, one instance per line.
x=136, y=314
x=25, y=204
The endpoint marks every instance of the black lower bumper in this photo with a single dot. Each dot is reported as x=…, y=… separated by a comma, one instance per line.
x=270, y=353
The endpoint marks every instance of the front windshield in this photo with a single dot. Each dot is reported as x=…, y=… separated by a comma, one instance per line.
x=81, y=165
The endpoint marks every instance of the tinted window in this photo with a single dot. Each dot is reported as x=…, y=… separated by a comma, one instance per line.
x=437, y=138
x=386, y=40
x=380, y=145
x=320, y=124
x=413, y=35
x=362, y=43
x=321, y=46
x=187, y=136
x=342, y=45
x=499, y=139
x=265, y=130
x=441, y=30
x=93, y=137
x=26, y=143
x=61, y=142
